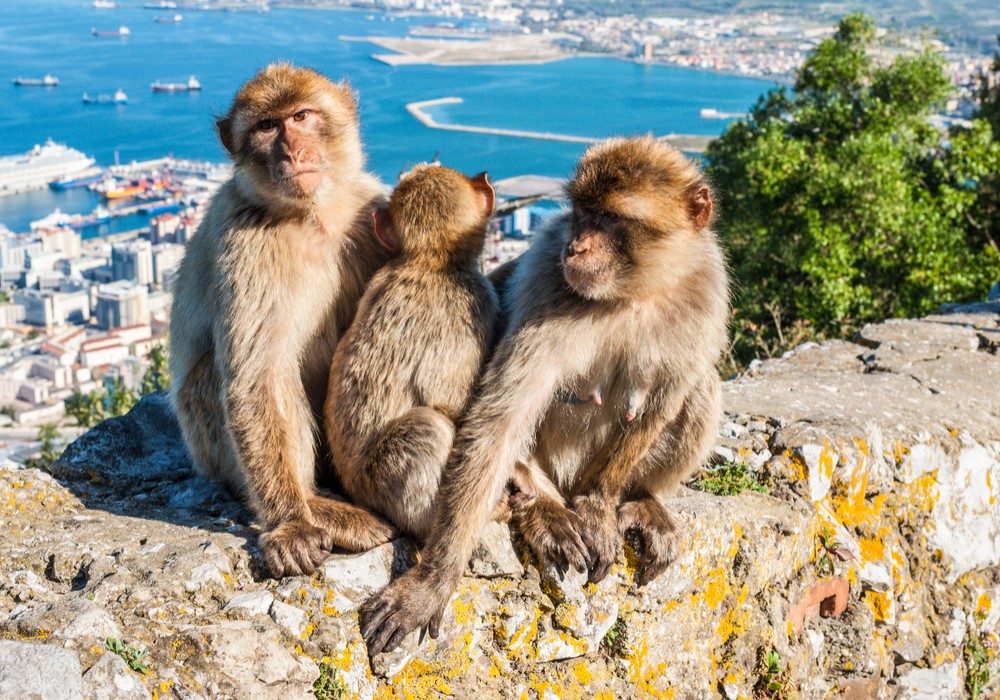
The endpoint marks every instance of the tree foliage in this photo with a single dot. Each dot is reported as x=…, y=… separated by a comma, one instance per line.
x=841, y=204
x=117, y=399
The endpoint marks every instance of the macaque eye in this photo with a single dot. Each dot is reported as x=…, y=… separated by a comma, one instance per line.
x=300, y=116
x=267, y=124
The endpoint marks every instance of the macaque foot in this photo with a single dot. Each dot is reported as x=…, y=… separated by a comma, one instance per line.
x=409, y=603
x=350, y=527
x=295, y=547
x=600, y=534
x=553, y=531
x=659, y=535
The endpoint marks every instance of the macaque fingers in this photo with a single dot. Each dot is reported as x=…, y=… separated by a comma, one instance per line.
x=552, y=530
x=659, y=536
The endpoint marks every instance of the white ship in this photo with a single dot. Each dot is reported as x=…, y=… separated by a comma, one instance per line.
x=40, y=166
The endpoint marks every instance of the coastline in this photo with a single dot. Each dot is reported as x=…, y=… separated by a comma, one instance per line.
x=489, y=52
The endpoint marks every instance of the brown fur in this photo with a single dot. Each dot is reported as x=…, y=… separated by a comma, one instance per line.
x=405, y=370
x=268, y=285
x=625, y=297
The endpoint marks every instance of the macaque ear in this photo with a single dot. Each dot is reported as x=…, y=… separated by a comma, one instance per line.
x=384, y=231
x=225, y=128
x=700, y=208
x=484, y=189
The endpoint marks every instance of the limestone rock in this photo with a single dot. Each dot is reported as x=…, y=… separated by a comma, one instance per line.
x=256, y=603
x=495, y=555
x=33, y=671
x=289, y=617
x=942, y=683
x=73, y=621
x=111, y=679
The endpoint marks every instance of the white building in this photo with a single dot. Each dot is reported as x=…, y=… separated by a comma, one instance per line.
x=122, y=303
x=11, y=314
x=165, y=257
x=48, y=308
x=132, y=261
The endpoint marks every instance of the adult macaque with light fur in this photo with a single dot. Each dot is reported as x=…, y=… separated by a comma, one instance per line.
x=603, y=393
x=267, y=287
x=406, y=368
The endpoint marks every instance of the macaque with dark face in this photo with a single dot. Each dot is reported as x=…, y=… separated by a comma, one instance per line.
x=603, y=393
x=405, y=370
x=268, y=285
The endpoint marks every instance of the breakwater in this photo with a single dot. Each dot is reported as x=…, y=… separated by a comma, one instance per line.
x=686, y=142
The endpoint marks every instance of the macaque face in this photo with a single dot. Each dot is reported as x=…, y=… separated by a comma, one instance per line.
x=594, y=258
x=290, y=145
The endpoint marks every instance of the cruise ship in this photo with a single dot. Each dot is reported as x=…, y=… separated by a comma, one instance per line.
x=40, y=166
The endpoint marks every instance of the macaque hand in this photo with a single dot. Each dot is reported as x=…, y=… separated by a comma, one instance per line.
x=600, y=533
x=409, y=603
x=295, y=547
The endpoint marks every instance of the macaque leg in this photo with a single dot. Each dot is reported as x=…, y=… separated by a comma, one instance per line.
x=402, y=470
x=546, y=524
x=271, y=425
x=200, y=414
x=678, y=451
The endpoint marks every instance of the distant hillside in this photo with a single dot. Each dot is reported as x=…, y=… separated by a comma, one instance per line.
x=968, y=23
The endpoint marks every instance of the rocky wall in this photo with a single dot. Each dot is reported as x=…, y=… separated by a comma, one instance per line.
x=868, y=570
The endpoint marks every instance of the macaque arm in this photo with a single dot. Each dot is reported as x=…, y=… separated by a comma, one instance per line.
x=268, y=417
x=519, y=383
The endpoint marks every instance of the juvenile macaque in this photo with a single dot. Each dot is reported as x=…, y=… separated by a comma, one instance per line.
x=405, y=370
x=627, y=292
x=268, y=285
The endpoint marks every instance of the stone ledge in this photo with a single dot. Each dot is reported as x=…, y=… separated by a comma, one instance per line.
x=883, y=458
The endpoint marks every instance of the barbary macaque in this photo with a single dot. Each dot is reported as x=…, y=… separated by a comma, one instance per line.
x=268, y=285
x=626, y=293
x=405, y=370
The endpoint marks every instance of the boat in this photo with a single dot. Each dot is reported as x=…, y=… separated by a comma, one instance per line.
x=166, y=5
x=69, y=183
x=119, y=98
x=40, y=166
x=133, y=188
x=104, y=5
x=176, y=19
x=159, y=207
x=191, y=85
x=122, y=31
x=47, y=81
x=58, y=219
x=710, y=113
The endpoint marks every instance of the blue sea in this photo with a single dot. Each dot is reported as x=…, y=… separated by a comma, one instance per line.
x=594, y=97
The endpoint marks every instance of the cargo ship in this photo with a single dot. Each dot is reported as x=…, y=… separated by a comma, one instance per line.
x=133, y=188
x=191, y=85
x=122, y=31
x=120, y=98
x=47, y=81
x=40, y=166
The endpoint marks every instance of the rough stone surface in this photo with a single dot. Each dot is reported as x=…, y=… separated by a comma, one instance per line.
x=882, y=460
x=38, y=672
x=111, y=679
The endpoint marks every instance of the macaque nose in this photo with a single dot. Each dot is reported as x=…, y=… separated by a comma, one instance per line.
x=580, y=245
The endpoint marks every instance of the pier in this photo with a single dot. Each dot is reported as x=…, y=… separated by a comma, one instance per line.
x=685, y=142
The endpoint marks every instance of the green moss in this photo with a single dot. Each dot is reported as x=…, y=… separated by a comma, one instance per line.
x=329, y=686
x=728, y=480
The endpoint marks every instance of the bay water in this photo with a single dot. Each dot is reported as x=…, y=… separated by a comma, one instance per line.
x=595, y=97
